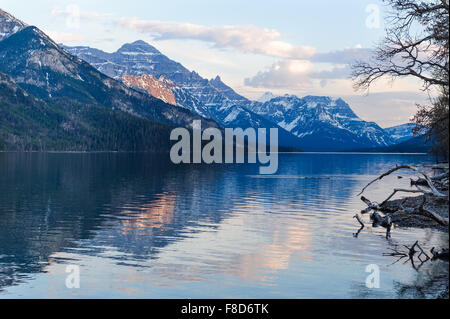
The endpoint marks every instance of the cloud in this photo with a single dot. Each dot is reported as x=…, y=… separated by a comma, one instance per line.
x=296, y=73
x=74, y=11
x=66, y=37
x=295, y=69
x=63, y=37
x=335, y=73
x=285, y=73
x=345, y=56
x=387, y=108
x=282, y=72
x=247, y=38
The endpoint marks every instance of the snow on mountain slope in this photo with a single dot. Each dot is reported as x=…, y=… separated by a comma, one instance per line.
x=322, y=122
x=401, y=133
x=9, y=25
x=318, y=123
x=44, y=69
x=310, y=123
x=212, y=99
x=266, y=97
x=140, y=58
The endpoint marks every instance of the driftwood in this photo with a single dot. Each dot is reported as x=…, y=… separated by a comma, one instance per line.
x=370, y=205
x=425, y=180
x=422, y=257
x=440, y=176
x=431, y=214
x=396, y=190
x=440, y=166
x=440, y=180
x=377, y=220
x=419, y=182
x=434, y=191
x=420, y=210
x=359, y=220
x=435, y=184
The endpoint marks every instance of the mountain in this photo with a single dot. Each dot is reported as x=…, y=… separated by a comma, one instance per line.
x=322, y=123
x=9, y=25
x=266, y=97
x=309, y=123
x=46, y=71
x=31, y=124
x=401, y=133
x=139, y=58
x=416, y=144
x=24, y=119
x=52, y=100
x=211, y=99
x=160, y=88
x=80, y=84
x=227, y=91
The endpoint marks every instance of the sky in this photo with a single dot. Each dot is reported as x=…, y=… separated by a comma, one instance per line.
x=285, y=47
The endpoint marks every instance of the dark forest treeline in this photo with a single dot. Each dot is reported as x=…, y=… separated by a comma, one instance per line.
x=31, y=124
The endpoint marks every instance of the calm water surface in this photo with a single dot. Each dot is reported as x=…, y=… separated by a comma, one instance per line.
x=138, y=226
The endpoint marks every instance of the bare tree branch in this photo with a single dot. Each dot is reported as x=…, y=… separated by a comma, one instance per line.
x=421, y=54
x=434, y=191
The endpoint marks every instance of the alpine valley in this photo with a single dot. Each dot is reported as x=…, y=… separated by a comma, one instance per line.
x=55, y=97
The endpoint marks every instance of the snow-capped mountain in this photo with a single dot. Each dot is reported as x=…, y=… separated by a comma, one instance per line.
x=52, y=100
x=309, y=123
x=128, y=80
x=322, y=122
x=44, y=69
x=401, y=133
x=9, y=25
x=211, y=99
x=139, y=58
x=266, y=97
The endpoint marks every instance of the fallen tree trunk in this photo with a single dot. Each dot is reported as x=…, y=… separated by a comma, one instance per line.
x=421, y=210
x=429, y=213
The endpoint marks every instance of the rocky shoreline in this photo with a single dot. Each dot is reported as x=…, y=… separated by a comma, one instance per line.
x=399, y=211
x=430, y=210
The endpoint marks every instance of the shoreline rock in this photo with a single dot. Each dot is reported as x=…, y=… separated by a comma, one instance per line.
x=401, y=218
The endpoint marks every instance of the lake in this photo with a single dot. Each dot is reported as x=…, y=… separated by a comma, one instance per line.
x=140, y=227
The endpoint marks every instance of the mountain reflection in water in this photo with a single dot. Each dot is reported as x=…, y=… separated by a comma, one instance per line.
x=139, y=226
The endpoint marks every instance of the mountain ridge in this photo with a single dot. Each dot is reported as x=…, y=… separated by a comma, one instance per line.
x=9, y=25
x=211, y=99
x=321, y=121
x=401, y=133
x=216, y=100
x=32, y=124
x=138, y=80
x=53, y=100
x=41, y=67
